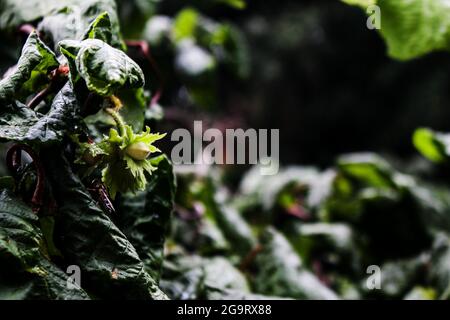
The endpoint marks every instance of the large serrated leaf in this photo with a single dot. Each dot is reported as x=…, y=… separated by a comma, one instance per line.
x=145, y=216
x=31, y=71
x=104, y=68
x=61, y=19
x=281, y=272
x=20, y=123
x=412, y=28
x=22, y=257
x=110, y=265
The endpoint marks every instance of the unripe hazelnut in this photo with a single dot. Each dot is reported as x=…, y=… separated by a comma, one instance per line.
x=138, y=151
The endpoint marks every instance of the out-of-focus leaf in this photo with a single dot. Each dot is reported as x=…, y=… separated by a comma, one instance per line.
x=398, y=277
x=237, y=4
x=376, y=197
x=361, y=3
x=61, y=19
x=155, y=112
x=31, y=71
x=221, y=275
x=201, y=234
x=65, y=23
x=192, y=60
x=185, y=24
x=236, y=229
x=281, y=273
x=134, y=14
x=421, y=293
x=337, y=239
x=182, y=277
x=367, y=167
x=230, y=48
x=193, y=277
x=145, y=216
x=434, y=205
x=268, y=188
x=347, y=289
x=439, y=274
x=373, y=195
x=360, y=178
x=23, y=257
x=433, y=145
x=239, y=295
x=412, y=28
x=157, y=29
x=221, y=226
x=14, y=13
x=110, y=265
x=103, y=68
x=196, y=226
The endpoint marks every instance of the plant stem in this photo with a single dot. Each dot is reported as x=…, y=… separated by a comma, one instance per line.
x=145, y=51
x=118, y=119
x=13, y=161
x=58, y=80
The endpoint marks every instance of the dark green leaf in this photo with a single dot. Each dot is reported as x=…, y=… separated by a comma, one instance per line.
x=412, y=28
x=110, y=264
x=62, y=19
x=398, y=277
x=103, y=68
x=236, y=229
x=31, y=71
x=20, y=123
x=14, y=13
x=134, y=105
x=23, y=257
x=281, y=273
x=193, y=277
x=100, y=28
x=145, y=216
x=439, y=274
x=368, y=168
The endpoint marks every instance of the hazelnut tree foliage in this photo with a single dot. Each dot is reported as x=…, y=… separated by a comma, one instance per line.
x=87, y=186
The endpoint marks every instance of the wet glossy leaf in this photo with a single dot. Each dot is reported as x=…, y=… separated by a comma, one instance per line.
x=109, y=263
x=23, y=257
x=31, y=72
x=20, y=123
x=104, y=68
x=145, y=216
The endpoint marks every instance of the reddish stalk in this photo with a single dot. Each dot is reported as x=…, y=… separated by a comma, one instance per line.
x=26, y=29
x=100, y=194
x=250, y=257
x=13, y=162
x=145, y=50
x=58, y=79
x=298, y=211
x=318, y=271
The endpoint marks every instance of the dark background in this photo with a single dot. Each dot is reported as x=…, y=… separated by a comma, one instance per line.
x=324, y=79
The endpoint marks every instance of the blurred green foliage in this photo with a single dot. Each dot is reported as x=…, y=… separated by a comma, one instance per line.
x=310, y=68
